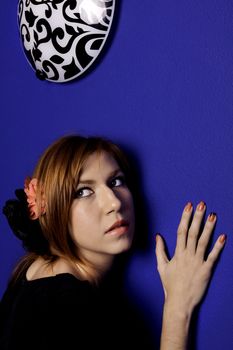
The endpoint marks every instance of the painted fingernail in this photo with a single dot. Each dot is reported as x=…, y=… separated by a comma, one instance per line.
x=222, y=238
x=201, y=206
x=212, y=217
x=188, y=207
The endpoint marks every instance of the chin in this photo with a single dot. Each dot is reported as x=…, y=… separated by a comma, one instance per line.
x=124, y=246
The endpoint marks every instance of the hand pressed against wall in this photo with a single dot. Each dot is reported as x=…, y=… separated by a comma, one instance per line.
x=186, y=276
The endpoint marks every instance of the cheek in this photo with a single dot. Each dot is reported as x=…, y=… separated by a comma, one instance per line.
x=129, y=204
x=129, y=200
x=83, y=219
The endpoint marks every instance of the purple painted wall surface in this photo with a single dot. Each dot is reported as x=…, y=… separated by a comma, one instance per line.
x=163, y=88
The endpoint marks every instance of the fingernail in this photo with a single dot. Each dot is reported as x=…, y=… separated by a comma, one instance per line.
x=188, y=207
x=201, y=206
x=222, y=238
x=212, y=217
x=156, y=237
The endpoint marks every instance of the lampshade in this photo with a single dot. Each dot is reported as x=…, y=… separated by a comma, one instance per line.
x=62, y=38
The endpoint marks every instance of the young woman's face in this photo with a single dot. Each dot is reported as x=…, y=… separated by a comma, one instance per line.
x=102, y=214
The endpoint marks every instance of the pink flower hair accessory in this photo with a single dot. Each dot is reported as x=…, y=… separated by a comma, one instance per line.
x=36, y=208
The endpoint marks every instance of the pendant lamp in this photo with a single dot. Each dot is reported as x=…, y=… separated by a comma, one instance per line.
x=62, y=38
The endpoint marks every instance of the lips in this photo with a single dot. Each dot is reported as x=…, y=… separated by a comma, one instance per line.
x=118, y=224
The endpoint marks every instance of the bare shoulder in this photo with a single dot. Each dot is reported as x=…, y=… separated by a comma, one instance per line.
x=41, y=268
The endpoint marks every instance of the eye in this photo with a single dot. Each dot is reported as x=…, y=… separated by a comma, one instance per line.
x=83, y=192
x=118, y=181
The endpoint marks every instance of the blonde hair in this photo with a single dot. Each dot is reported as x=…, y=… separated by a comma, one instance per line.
x=58, y=172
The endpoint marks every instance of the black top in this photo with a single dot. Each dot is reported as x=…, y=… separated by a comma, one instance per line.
x=62, y=312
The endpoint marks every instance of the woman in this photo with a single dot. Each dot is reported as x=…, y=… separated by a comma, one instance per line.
x=79, y=215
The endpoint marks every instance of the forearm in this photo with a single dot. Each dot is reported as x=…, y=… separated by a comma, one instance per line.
x=175, y=328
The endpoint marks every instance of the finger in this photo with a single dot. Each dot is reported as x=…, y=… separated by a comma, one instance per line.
x=214, y=254
x=161, y=255
x=183, y=227
x=195, y=227
x=206, y=234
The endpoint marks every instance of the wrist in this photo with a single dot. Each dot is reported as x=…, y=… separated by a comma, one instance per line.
x=178, y=309
x=175, y=327
x=174, y=315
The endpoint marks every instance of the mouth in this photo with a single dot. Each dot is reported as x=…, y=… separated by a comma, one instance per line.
x=118, y=228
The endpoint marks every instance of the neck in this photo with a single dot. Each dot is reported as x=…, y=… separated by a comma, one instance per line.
x=95, y=269
x=91, y=266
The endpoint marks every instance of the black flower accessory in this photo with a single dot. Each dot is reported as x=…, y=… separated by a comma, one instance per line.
x=27, y=230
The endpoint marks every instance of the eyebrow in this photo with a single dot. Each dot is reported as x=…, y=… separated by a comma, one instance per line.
x=91, y=182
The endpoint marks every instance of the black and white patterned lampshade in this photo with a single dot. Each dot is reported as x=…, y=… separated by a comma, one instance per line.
x=62, y=38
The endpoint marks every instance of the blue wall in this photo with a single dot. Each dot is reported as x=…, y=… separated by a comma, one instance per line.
x=164, y=88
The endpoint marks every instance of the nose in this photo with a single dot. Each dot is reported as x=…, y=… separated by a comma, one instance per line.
x=109, y=201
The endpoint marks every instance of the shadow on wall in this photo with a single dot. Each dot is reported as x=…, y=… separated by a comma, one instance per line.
x=142, y=245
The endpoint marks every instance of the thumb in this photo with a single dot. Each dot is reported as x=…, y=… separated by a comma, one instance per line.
x=161, y=255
